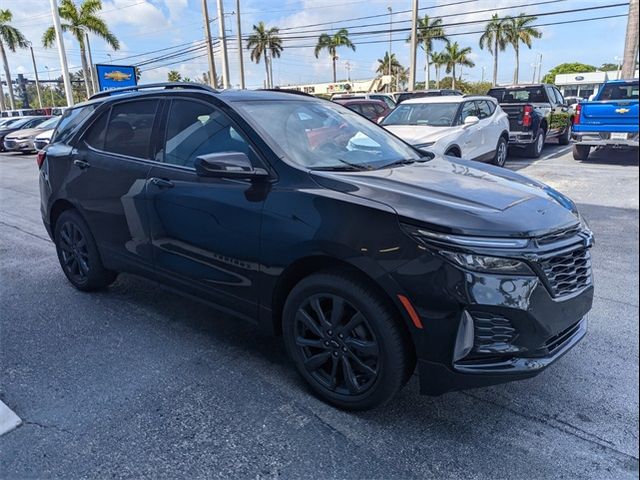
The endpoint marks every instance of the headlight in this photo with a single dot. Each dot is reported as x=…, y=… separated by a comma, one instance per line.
x=482, y=263
x=428, y=236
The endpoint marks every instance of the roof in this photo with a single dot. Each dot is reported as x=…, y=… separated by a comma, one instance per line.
x=446, y=99
x=347, y=101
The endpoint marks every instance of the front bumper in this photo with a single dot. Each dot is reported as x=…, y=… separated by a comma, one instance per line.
x=604, y=139
x=16, y=145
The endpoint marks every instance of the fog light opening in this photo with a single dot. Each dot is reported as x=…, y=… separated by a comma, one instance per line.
x=465, y=337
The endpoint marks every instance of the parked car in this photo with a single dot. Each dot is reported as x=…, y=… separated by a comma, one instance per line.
x=383, y=97
x=374, y=110
x=471, y=127
x=537, y=114
x=573, y=101
x=610, y=120
x=19, y=124
x=24, y=140
x=366, y=260
x=403, y=96
x=43, y=139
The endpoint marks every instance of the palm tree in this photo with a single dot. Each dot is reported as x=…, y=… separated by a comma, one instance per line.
x=263, y=42
x=495, y=39
x=429, y=31
x=438, y=60
x=454, y=55
x=79, y=22
x=174, y=76
x=519, y=30
x=399, y=74
x=14, y=39
x=331, y=43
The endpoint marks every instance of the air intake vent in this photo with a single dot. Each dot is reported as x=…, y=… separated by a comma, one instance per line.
x=493, y=333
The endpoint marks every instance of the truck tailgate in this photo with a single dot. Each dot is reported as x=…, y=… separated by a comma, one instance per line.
x=605, y=115
x=515, y=116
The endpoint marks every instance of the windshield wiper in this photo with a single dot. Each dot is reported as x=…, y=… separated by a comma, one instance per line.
x=406, y=161
x=347, y=166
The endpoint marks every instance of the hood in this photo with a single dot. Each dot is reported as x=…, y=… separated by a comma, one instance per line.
x=419, y=134
x=462, y=197
x=27, y=132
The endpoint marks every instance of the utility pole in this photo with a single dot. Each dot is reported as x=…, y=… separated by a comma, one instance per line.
x=240, y=55
x=390, y=41
x=540, y=68
x=347, y=67
x=63, y=56
x=414, y=46
x=222, y=34
x=35, y=71
x=213, y=76
x=92, y=71
x=631, y=42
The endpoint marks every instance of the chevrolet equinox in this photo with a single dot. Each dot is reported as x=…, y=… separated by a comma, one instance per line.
x=368, y=256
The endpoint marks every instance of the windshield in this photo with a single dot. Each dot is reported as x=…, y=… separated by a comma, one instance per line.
x=430, y=114
x=519, y=95
x=627, y=91
x=322, y=135
x=50, y=123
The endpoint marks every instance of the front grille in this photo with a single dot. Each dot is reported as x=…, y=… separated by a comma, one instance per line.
x=568, y=272
x=493, y=333
x=558, y=340
x=559, y=235
x=9, y=143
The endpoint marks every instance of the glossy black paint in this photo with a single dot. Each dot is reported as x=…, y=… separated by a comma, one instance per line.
x=242, y=244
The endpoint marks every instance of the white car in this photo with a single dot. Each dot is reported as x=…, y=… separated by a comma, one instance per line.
x=43, y=139
x=471, y=127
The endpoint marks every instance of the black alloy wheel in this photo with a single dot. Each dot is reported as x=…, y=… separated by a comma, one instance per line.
x=338, y=346
x=74, y=252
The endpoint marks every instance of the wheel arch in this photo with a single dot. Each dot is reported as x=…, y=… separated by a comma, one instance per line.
x=454, y=148
x=58, y=208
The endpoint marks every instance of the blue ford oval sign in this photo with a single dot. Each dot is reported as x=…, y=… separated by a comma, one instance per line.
x=579, y=78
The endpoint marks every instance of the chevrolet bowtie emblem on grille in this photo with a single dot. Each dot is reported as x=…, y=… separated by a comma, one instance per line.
x=622, y=110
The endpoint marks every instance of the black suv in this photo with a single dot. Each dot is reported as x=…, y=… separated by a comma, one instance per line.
x=303, y=217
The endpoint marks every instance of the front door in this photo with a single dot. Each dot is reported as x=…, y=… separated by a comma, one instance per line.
x=205, y=232
x=471, y=137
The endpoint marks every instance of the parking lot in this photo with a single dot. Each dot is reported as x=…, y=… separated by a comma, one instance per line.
x=138, y=382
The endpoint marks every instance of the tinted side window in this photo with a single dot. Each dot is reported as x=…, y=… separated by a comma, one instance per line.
x=196, y=129
x=484, y=111
x=69, y=121
x=369, y=111
x=97, y=132
x=129, y=129
x=355, y=107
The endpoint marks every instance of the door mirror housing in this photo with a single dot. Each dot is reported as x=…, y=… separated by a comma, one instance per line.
x=471, y=120
x=228, y=165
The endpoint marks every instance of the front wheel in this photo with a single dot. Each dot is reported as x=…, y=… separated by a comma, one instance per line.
x=581, y=152
x=500, y=157
x=345, y=341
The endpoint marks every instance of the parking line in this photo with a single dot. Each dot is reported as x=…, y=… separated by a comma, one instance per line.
x=560, y=151
x=8, y=419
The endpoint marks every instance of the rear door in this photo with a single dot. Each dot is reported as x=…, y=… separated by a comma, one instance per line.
x=205, y=231
x=110, y=164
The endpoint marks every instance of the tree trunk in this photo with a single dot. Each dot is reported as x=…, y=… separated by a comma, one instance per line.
x=516, y=73
x=495, y=63
x=2, y=105
x=271, y=70
x=453, y=77
x=333, y=60
x=438, y=76
x=85, y=69
x=266, y=66
x=7, y=74
x=631, y=42
x=427, y=76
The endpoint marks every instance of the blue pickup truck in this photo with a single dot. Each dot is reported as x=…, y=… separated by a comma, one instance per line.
x=610, y=119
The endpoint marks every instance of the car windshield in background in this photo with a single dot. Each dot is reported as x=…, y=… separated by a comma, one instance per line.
x=620, y=92
x=519, y=95
x=326, y=136
x=50, y=123
x=430, y=114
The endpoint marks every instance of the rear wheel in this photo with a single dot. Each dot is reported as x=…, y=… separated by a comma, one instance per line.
x=78, y=254
x=565, y=138
x=581, y=152
x=345, y=341
x=535, y=149
x=501, y=153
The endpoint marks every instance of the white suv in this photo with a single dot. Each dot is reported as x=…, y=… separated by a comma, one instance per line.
x=471, y=127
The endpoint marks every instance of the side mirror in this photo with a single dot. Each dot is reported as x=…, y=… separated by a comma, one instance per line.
x=471, y=120
x=228, y=165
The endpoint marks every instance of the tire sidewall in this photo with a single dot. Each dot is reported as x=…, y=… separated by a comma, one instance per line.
x=377, y=317
x=496, y=160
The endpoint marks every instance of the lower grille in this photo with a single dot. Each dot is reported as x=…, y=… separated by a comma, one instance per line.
x=568, y=272
x=493, y=333
x=558, y=340
x=9, y=144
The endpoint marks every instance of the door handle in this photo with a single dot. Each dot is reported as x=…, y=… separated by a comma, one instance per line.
x=81, y=164
x=161, y=182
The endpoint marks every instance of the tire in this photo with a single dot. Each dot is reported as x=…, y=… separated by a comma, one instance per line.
x=535, y=149
x=328, y=352
x=581, y=152
x=565, y=138
x=453, y=153
x=502, y=150
x=78, y=254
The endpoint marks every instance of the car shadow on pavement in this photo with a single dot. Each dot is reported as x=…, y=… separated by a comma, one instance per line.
x=623, y=157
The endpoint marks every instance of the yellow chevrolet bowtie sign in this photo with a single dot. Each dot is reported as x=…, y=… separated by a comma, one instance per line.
x=622, y=110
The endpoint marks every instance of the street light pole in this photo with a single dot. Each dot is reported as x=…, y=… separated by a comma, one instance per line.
x=414, y=46
x=390, y=41
x=50, y=89
x=240, y=55
x=223, y=45
x=35, y=71
x=213, y=76
x=61, y=53
x=92, y=72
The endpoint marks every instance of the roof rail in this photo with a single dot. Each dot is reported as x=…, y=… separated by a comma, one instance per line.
x=165, y=85
x=287, y=90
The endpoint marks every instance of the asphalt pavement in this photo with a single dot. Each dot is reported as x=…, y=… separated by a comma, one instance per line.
x=135, y=382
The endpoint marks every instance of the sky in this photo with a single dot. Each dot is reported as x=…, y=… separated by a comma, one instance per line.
x=146, y=25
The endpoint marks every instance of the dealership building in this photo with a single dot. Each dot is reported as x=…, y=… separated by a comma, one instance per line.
x=584, y=85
